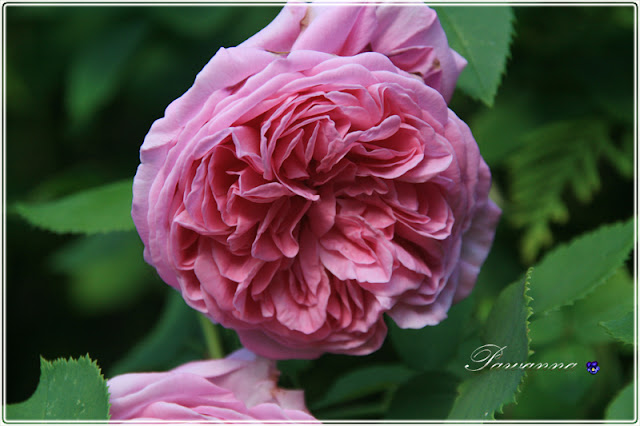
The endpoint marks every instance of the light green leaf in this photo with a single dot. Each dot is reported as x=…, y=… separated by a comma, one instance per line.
x=103, y=209
x=175, y=339
x=429, y=348
x=621, y=408
x=363, y=382
x=622, y=328
x=482, y=35
x=105, y=271
x=490, y=389
x=573, y=270
x=427, y=396
x=68, y=390
x=96, y=71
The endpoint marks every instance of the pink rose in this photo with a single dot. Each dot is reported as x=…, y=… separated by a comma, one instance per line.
x=239, y=387
x=411, y=36
x=298, y=197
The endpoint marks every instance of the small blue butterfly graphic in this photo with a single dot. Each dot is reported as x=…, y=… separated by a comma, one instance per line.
x=592, y=367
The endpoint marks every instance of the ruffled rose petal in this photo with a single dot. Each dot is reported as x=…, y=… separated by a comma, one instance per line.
x=298, y=195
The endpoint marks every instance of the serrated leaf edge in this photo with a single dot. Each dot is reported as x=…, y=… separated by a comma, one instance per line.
x=491, y=93
x=610, y=333
x=46, y=365
x=17, y=209
x=529, y=310
x=605, y=278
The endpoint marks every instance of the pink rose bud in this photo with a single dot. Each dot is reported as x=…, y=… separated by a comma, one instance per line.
x=239, y=387
x=298, y=197
x=411, y=36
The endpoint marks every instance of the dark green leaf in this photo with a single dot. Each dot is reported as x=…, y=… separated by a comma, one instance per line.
x=68, y=390
x=353, y=411
x=621, y=408
x=622, y=328
x=175, y=339
x=573, y=270
x=430, y=348
x=362, y=382
x=96, y=71
x=102, y=209
x=505, y=335
x=482, y=35
x=427, y=396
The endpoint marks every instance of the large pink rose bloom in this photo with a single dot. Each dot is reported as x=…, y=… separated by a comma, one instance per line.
x=239, y=387
x=410, y=36
x=298, y=197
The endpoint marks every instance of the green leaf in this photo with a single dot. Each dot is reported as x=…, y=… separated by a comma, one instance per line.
x=363, y=382
x=552, y=159
x=424, y=397
x=548, y=327
x=610, y=301
x=68, y=390
x=490, y=389
x=482, y=35
x=429, y=348
x=97, y=70
x=175, y=339
x=573, y=270
x=103, y=209
x=621, y=408
x=105, y=271
x=622, y=328
x=580, y=320
x=564, y=385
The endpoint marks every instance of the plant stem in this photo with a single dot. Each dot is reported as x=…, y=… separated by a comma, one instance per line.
x=211, y=337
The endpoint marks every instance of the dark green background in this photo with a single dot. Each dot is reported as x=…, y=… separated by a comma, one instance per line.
x=566, y=63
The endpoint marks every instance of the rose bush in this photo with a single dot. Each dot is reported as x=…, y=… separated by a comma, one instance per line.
x=297, y=197
x=239, y=387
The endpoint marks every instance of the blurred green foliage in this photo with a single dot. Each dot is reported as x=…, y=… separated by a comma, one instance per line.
x=84, y=84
